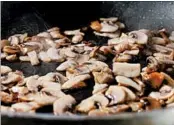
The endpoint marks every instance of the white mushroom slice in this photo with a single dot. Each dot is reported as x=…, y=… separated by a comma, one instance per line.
x=108, y=28
x=121, y=47
x=139, y=82
x=172, y=36
x=89, y=103
x=130, y=95
x=40, y=97
x=53, y=54
x=110, y=35
x=73, y=32
x=12, y=77
x=24, y=58
x=53, y=92
x=20, y=90
x=81, y=58
x=162, y=95
x=114, y=41
x=170, y=81
x=26, y=79
x=32, y=84
x=76, y=81
x=116, y=94
x=128, y=82
x=112, y=19
x=158, y=40
x=3, y=55
x=6, y=109
x=6, y=97
x=65, y=65
x=56, y=34
x=49, y=43
x=102, y=77
x=116, y=109
x=120, y=25
x=33, y=58
x=53, y=29
x=62, y=104
x=69, y=53
x=48, y=84
x=11, y=57
x=5, y=69
x=14, y=40
x=171, y=105
x=44, y=34
x=77, y=38
x=126, y=69
x=25, y=106
x=44, y=57
x=53, y=77
x=99, y=88
x=140, y=37
x=170, y=45
x=132, y=52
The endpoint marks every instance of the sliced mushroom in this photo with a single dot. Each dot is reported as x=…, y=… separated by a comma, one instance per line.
x=48, y=84
x=170, y=45
x=99, y=88
x=6, y=109
x=33, y=58
x=151, y=103
x=110, y=35
x=140, y=37
x=116, y=94
x=110, y=19
x=95, y=25
x=53, y=29
x=12, y=77
x=170, y=81
x=20, y=90
x=108, y=28
x=122, y=58
x=120, y=25
x=55, y=92
x=3, y=55
x=82, y=58
x=25, y=106
x=6, y=97
x=136, y=106
x=126, y=69
x=77, y=38
x=65, y=65
x=44, y=57
x=89, y=103
x=11, y=57
x=56, y=34
x=5, y=69
x=11, y=49
x=24, y=58
x=62, y=104
x=14, y=40
x=128, y=82
x=170, y=100
x=76, y=82
x=130, y=96
x=32, y=84
x=131, y=52
x=152, y=65
x=4, y=43
x=44, y=34
x=53, y=54
x=98, y=112
x=67, y=52
x=114, y=41
x=158, y=40
x=164, y=56
x=161, y=48
x=73, y=32
x=171, y=105
x=164, y=93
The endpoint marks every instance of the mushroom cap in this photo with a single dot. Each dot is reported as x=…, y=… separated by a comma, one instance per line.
x=140, y=37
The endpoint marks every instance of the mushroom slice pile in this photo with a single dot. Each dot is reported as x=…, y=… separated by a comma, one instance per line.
x=116, y=94
x=89, y=103
x=62, y=104
x=76, y=82
x=139, y=37
x=126, y=69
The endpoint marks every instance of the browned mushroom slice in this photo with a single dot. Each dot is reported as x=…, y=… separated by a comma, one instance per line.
x=164, y=93
x=53, y=29
x=62, y=104
x=98, y=112
x=6, y=97
x=158, y=40
x=44, y=57
x=24, y=58
x=110, y=35
x=170, y=81
x=131, y=52
x=99, y=88
x=5, y=69
x=116, y=94
x=128, y=82
x=137, y=80
x=14, y=40
x=73, y=32
x=130, y=96
x=108, y=28
x=77, y=38
x=152, y=65
x=53, y=54
x=56, y=34
x=136, y=106
x=89, y=103
x=122, y=58
x=25, y=106
x=116, y=109
x=11, y=49
x=140, y=37
x=12, y=77
x=102, y=77
x=65, y=65
x=161, y=48
x=4, y=43
x=151, y=103
x=126, y=69
x=33, y=58
x=114, y=41
x=11, y=57
x=44, y=34
x=20, y=90
x=95, y=25
x=6, y=109
x=170, y=100
x=76, y=82
x=164, y=56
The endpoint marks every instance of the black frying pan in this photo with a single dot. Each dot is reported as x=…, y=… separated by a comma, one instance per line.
x=34, y=17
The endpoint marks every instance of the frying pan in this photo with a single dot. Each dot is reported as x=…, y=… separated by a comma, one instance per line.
x=35, y=17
